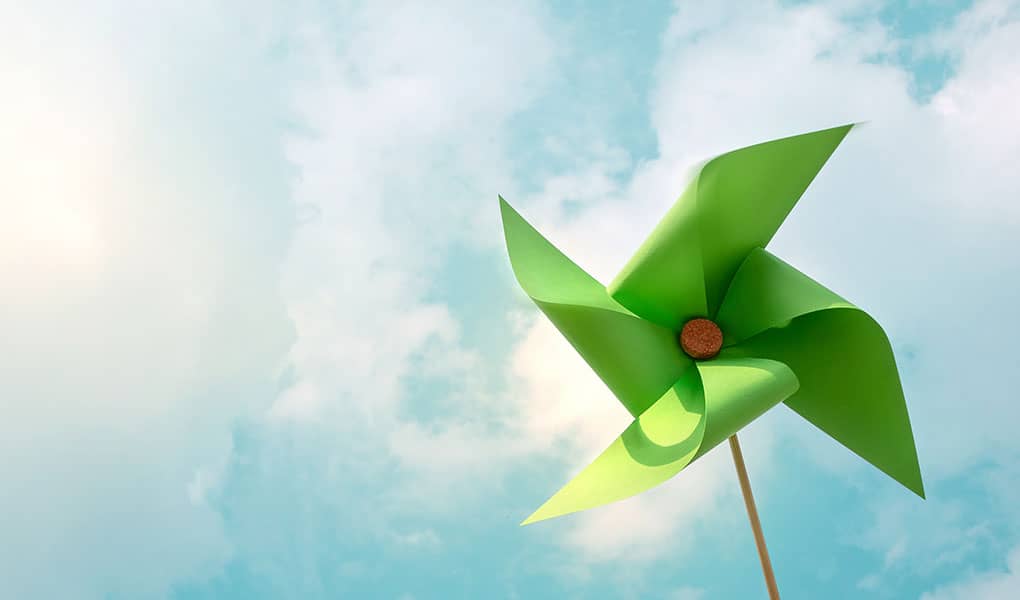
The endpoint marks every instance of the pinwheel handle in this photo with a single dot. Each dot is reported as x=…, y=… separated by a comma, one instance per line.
x=752, y=514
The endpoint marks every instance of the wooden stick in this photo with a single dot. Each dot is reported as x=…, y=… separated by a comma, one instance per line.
x=752, y=514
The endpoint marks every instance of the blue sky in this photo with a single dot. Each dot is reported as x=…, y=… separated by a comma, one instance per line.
x=261, y=338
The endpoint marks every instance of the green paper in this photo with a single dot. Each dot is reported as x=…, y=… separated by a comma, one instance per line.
x=703, y=408
x=786, y=337
x=745, y=195
x=735, y=203
x=636, y=359
x=737, y=391
x=765, y=293
x=849, y=386
x=655, y=447
x=664, y=281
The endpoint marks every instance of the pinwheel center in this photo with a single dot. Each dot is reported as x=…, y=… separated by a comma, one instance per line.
x=701, y=338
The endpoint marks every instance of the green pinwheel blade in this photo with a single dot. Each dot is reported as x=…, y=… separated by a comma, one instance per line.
x=737, y=391
x=849, y=385
x=664, y=281
x=655, y=447
x=736, y=203
x=638, y=360
x=767, y=292
x=704, y=407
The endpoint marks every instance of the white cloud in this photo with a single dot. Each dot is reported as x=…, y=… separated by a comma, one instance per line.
x=127, y=281
x=686, y=593
x=407, y=121
x=869, y=583
x=939, y=537
x=425, y=539
x=988, y=585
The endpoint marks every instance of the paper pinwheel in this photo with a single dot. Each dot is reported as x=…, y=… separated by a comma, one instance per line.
x=703, y=330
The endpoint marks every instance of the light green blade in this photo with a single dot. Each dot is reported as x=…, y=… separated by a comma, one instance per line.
x=737, y=391
x=656, y=446
x=849, y=385
x=767, y=292
x=736, y=203
x=638, y=360
x=706, y=406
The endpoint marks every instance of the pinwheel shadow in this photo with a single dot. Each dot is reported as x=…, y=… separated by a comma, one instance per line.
x=684, y=408
x=649, y=446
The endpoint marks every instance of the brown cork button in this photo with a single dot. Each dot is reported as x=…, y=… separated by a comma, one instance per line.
x=701, y=338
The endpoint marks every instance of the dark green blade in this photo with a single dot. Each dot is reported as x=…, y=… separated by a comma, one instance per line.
x=849, y=386
x=638, y=360
x=736, y=203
